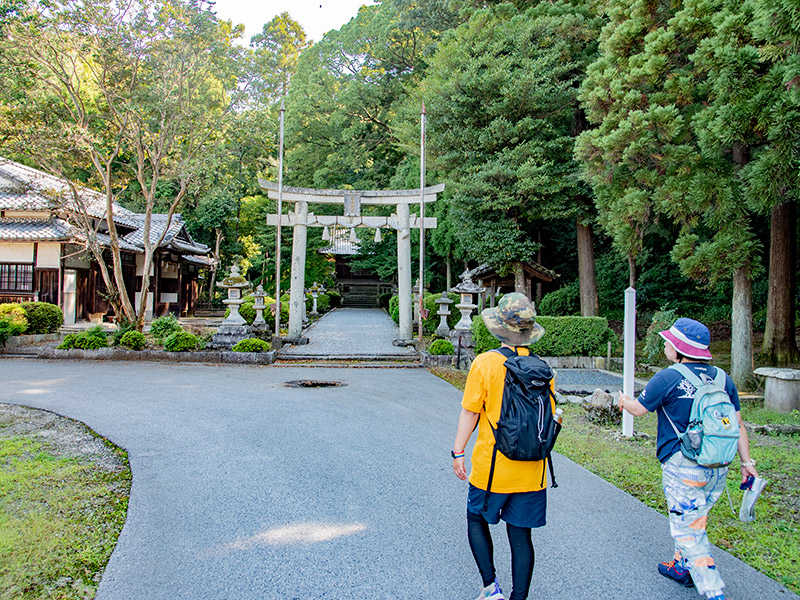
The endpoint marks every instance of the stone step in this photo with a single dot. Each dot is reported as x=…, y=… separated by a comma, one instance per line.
x=347, y=364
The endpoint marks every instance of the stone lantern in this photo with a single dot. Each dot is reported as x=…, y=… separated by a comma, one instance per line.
x=443, y=330
x=234, y=328
x=463, y=329
x=259, y=324
x=415, y=293
x=316, y=290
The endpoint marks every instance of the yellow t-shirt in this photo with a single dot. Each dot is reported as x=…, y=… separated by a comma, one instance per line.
x=485, y=389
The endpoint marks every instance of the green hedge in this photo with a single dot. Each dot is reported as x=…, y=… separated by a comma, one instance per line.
x=180, y=341
x=91, y=339
x=441, y=348
x=562, y=302
x=134, y=340
x=564, y=336
x=163, y=327
x=43, y=317
x=13, y=316
x=251, y=345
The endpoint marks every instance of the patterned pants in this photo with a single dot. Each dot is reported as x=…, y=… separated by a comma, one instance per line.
x=691, y=492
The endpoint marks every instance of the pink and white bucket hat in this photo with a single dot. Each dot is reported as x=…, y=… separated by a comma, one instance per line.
x=689, y=337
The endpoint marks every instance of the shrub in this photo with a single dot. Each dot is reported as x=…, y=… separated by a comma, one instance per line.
x=180, y=341
x=68, y=341
x=562, y=302
x=564, y=336
x=394, y=309
x=43, y=317
x=91, y=339
x=251, y=345
x=441, y=348
x=336, y=298
x=163, y=327
x=383, y=300
x=14, y=315
x=323, y=303
x=123, y=327
x=133, y=340
x=654, y=343
x=6, y=330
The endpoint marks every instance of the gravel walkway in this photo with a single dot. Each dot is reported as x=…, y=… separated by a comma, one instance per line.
x=351, y=333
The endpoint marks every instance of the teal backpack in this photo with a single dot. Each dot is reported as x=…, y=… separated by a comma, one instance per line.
x=712, y=436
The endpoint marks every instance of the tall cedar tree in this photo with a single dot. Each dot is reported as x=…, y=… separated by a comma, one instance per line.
x=774, y=173
x=501, y=92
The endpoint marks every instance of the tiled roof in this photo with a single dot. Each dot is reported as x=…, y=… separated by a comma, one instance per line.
x=24, y=188
x=104, y=240
x=34, y=230
x=203, y=261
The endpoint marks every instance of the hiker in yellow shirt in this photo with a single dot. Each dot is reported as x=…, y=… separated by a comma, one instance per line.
x=518, y=488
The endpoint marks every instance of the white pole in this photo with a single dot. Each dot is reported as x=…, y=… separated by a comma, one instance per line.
x=422, y=218
x=629, y=357
x=278, y=231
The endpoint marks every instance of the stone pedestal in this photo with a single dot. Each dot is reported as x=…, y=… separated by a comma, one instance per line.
x=228, y=336
x=234, y=328
x=781, y=388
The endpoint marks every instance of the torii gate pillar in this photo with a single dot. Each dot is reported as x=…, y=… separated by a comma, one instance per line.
x=297, y=293
x=404, y=272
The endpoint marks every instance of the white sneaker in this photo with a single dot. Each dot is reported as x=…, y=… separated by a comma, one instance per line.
x=491, y=592
x=748, y=510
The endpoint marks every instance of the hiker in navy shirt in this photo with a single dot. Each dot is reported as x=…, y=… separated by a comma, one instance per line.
x=691, y=490
x=669, y=389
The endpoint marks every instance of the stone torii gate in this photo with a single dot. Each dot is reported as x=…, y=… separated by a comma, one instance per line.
x=401, y=221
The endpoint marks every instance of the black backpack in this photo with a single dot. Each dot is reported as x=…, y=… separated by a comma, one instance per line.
x=526, y=429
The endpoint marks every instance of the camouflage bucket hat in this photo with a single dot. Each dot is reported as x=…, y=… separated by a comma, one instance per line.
x=513, y=321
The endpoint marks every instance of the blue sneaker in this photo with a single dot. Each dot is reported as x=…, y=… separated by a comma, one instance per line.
x=720, y=597
x=491, y=592
x=676, y=573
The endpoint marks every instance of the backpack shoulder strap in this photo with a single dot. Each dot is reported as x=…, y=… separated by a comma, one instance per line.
x=688, y=374
x=721, y=378
x=507, y=352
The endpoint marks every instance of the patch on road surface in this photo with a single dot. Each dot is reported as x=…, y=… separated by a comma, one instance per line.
x=313, y=383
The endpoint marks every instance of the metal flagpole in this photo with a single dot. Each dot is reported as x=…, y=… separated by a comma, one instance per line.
x=422, y=218
x=278, y=231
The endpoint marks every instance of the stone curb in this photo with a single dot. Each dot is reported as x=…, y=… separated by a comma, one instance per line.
x=240, y=358
x=15, y=341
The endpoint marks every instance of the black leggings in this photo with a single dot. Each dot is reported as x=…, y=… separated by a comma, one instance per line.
x=522, y=555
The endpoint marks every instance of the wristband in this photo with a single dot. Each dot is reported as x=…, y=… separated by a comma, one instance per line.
x=749, y=463
x=454, y=455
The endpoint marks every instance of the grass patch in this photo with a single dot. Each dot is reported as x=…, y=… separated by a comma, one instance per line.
x=60, y=517
x=771, y=544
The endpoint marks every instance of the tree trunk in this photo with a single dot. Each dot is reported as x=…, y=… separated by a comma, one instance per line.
x=632, y=271
x=586, y=271
x=539, y=290
x=213, y=285
x=519, y=277
x=742, y=328
x=780, y=346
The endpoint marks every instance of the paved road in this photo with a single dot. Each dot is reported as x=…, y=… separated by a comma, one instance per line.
x=244, y=489
x=351, y=332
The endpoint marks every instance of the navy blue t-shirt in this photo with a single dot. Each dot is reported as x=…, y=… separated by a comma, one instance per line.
x=669, y=391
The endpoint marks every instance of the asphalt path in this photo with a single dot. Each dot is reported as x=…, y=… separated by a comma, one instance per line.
x=244, y=488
